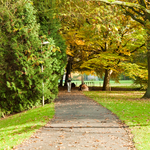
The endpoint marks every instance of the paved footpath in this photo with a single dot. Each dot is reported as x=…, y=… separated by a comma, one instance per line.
x=80, y=124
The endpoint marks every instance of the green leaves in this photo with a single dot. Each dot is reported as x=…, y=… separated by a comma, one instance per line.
x=21, y=77
x=8, y=84
x=17, y=84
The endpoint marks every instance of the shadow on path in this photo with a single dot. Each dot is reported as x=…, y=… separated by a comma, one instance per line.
x=80, y=124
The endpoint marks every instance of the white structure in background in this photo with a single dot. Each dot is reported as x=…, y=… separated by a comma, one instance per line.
x=91, y=77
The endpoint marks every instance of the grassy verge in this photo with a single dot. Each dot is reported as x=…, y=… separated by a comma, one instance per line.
x=132, y=110
x=16, y=128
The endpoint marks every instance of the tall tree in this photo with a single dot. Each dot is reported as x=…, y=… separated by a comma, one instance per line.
x=97, y=36
x=19, y=79
x=114, y=38
x=49, y=28
x=139, y=10
x=22, y=55
x=71, y=23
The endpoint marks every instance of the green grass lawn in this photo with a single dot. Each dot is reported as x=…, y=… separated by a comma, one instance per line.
x=16, y=128
x=132, y=110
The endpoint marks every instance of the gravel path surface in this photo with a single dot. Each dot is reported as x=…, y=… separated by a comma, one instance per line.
x=80, y=124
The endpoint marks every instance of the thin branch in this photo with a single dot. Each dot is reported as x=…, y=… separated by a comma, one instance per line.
x=142, y=2
x=138, y=12
x=79, y=8
x=134, y=18
x=126, y=43
x=137, y=48
x=102, y=48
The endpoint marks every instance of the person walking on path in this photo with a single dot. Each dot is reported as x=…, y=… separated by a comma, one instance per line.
x=69, y=83
x=80, y=124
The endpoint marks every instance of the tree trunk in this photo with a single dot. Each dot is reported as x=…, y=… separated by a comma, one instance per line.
x=106, y=86
x=68, y=70
x=147, y=18
x=82, y=78
x=61, y=82
x=147, y=94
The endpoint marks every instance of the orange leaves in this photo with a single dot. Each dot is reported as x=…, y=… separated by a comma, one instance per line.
x=69, y=52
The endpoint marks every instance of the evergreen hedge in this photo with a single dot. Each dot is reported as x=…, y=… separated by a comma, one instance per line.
x=21, y=55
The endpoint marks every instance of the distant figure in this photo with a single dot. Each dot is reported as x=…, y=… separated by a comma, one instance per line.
x=83, y=87
x=69, y=83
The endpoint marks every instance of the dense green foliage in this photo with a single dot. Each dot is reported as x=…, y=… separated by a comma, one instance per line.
x=49, y=27
x=137, y=69
x=21, y=77
x=19, y=47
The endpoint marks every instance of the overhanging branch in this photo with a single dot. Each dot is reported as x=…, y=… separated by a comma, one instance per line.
x=142, y=2
x=134, y=18
x=138, y=48
x=137, y=12
x=126, y=4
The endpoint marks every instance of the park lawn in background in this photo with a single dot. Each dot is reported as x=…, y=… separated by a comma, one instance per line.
x=131, y=109
x=18, y=127
x=122, y=83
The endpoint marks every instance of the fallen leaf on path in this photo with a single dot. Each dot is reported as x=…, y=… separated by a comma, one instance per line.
x=62, y=136
x=97, y=140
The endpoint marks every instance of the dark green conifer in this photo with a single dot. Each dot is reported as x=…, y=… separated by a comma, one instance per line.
x=19, y=75
x=49, y=28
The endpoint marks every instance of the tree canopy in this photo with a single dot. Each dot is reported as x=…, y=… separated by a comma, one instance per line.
x=100, y=37
x=139, y=10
